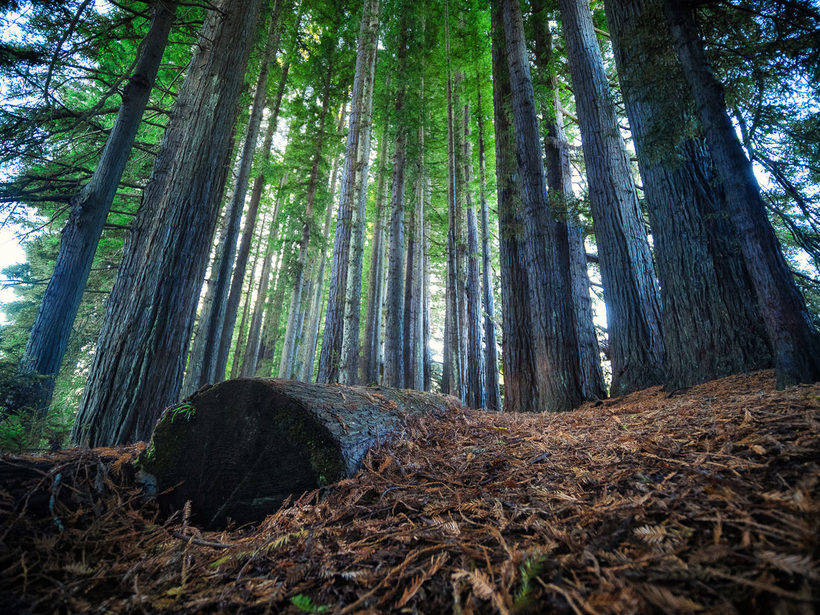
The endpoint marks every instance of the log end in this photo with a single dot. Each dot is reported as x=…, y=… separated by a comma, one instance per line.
x=237, y=450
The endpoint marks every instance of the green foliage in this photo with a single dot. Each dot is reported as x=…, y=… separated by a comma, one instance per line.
x=306, y=605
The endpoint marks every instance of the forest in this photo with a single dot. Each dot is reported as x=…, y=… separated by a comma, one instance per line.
x=434, y=306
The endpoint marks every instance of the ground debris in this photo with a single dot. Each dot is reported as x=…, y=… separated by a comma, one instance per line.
x=705, y=501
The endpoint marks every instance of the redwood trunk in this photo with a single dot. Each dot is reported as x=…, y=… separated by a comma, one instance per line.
x=557, y=386
x=141, y=350
x=631, y=296
x=712, y=325
x=89, y=209
x=794, y=341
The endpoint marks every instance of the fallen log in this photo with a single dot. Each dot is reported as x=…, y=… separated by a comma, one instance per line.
x=236, y=450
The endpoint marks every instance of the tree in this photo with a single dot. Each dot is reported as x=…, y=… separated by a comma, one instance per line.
x=332, y=338
x=711, y=324
x=630, y=292
x=555, y=352
x=794, y=341
x=89, y=209
x=559, y=183
x=145, y=335
x=218, y=328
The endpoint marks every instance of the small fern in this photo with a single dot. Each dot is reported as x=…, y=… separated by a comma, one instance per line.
x=529, y=569
x=305, y=604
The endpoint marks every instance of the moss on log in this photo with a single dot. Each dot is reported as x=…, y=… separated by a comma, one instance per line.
x=236, y=450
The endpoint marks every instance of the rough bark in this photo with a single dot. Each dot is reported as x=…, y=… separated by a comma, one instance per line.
x=372, y=345
x=631, y=296
x=414, y=281
x=451, y=369
x=517, y=351
x=559, y=184
x=476, y=395
x=333, y=336
x=349, y=369
x=711, y=323
x=794, y=341
x=147, y=326
x=88, y=211
x=491, y=387
x=557, y=386
x=230, y=273
x=394, y=310
x=238, y=449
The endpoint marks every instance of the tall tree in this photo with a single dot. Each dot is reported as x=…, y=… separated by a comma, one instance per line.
x=394, y=308
x=89, y=209
x=138, y=366
x=559, y=184
x=230, y=273
x=493, y=394
x=371, y=355
x=517, y=342
x=350, y=340
x=476, y=393
x=711, y=323
x=291, y=331
x=555, y=359
x=631, y=296
x=332, y=338
x=795, y=342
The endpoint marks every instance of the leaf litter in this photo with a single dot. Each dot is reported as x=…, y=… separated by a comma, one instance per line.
x=701, y=502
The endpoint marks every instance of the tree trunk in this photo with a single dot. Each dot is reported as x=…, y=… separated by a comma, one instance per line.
x=425, y=293
x=476, y=394
x=394, y=310
x=414, y=280
x=333, y=336
x=371, y=358
x=712, y=326
x=89, y=209
x=241, y=341
x=289, y=343
x=794, y=341
x=492, y=392
x=517, y=351
x=632, y=305
x=238, y=449
x=228, y=287
x=559, y=183
x=451, y=371
x=349, y=369
x=557, y=386
x=140, y=356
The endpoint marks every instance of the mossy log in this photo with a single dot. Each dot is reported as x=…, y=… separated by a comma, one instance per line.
x=236, y=450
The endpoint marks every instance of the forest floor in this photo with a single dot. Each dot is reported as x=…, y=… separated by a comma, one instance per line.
x=702, y=501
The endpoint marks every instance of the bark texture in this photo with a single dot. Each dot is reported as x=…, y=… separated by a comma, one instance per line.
x=476, y=394
x=239, y=448
x=794, y=341
x=372, y=345
x=491, y=386
x=137, y=369
x=711, y=324
x=88, y=211
x=394, y=309
x=230, y=273
x=559, y=183
x=557, y=386
x=517, y=351
x=632, y=303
